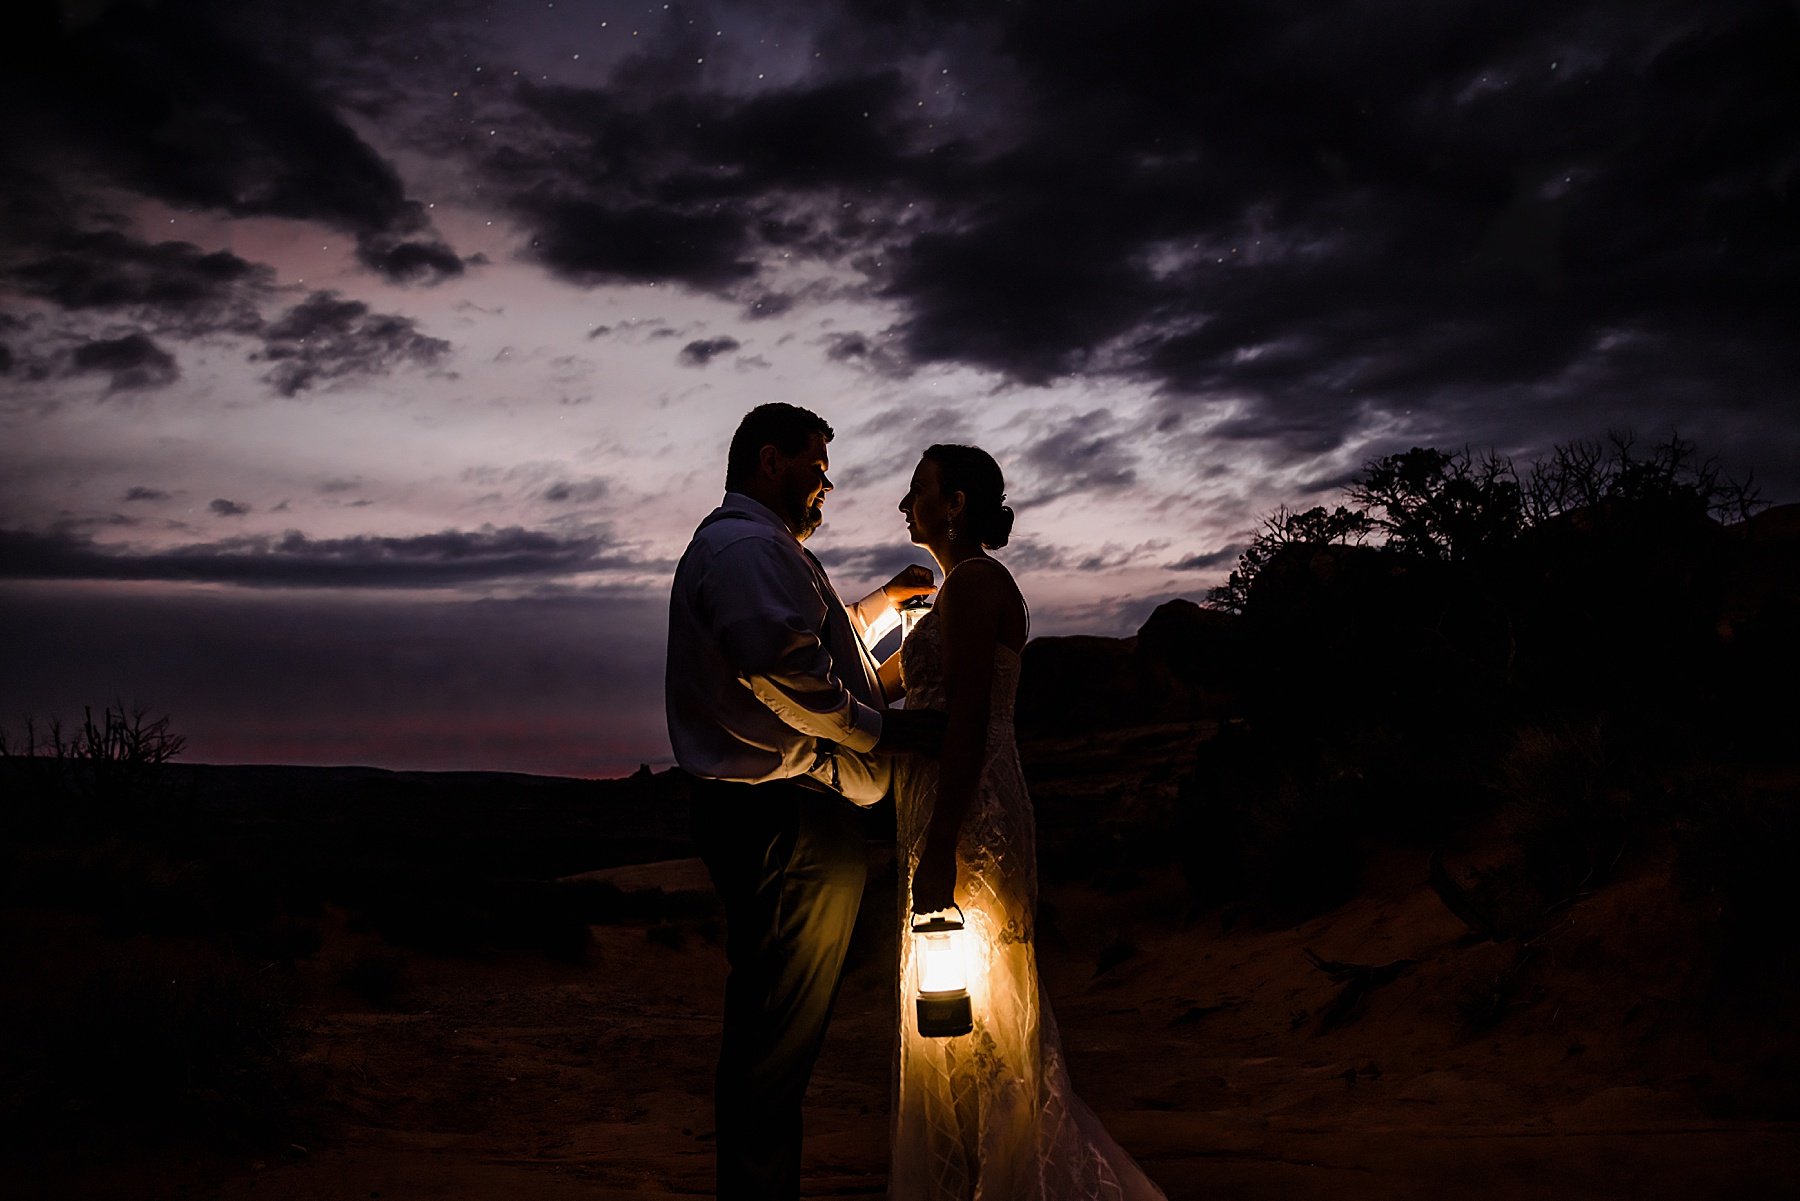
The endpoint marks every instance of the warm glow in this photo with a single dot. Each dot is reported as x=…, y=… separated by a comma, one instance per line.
x=883, y=624
x=910, y=613
x=942, y=966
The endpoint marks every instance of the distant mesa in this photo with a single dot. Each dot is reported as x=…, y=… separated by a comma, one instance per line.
x=1177, y=667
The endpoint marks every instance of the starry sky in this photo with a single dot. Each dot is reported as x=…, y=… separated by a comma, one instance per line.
x=364, y=366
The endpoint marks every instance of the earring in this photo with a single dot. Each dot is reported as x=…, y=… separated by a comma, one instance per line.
x=952, y=531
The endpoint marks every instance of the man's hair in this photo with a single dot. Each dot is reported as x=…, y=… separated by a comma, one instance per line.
x=788, y=428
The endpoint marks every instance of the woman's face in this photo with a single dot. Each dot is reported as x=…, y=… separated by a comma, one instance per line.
x=927, y=509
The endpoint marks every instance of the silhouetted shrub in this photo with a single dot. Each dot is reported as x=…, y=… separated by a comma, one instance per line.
x=111, y=762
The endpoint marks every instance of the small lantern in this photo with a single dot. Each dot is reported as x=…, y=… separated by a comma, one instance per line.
x=911, y=610
x=941, y=955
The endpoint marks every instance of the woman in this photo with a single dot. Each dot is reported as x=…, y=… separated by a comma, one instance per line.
x=988, y=1115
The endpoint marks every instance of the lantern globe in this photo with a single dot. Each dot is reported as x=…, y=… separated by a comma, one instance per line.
x=912, y=609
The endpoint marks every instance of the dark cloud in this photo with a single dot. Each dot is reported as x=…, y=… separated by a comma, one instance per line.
x=591, y=242
x=326, y=337
x=1029, y=553
x=860, y=349
x=898, y=435
x=6, y=359
x=1113, y=556
x=840, y=347
x=1330, y=218
x=134, y=362
x=652, y=178
x=293, y=560
x=576, y=491
x=141, y=492
x=700, y=353
x=172, y=103
x=1033, y=292
x=875, y=563
x=428, y=261
x=1083, y=454
x=938, y=422
x=1358, y=210
x=173, y=284
x=1208, y=560
x=228, y=508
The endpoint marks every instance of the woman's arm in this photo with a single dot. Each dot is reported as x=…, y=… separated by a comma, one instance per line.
x=971, y=610
x=889, y=676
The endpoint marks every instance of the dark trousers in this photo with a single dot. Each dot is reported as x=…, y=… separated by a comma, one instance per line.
x=789, y=864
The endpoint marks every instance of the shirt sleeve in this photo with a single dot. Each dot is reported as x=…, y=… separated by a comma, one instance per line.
x=873, y=616
x=767, y=612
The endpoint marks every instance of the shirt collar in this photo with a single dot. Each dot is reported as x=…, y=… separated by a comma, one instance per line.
x=738, y=504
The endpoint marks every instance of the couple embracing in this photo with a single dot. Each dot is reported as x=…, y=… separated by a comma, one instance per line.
x=781, y=714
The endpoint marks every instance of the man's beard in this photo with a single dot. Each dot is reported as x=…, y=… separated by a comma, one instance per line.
x=810, y=520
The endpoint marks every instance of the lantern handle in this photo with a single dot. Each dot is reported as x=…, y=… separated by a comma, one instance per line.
x=961, y=917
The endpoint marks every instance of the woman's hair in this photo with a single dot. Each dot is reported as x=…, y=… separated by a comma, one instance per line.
x=973, y=472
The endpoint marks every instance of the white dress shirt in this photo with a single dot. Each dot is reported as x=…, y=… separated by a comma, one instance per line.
x=767, y=668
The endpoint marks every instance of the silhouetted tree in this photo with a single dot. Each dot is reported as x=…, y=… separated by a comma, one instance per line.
x=1462, y=507
x=1671, y=477
x=120, y=736
x=102, y=760
x=1316, y=526
x=1439, y=505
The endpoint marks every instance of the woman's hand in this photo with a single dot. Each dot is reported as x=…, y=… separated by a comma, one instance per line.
x=934, y=880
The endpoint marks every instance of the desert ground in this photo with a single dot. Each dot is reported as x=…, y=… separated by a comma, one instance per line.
x=1375, y=1050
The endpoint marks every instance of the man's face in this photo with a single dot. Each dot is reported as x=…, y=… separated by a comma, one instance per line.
x=803, y=485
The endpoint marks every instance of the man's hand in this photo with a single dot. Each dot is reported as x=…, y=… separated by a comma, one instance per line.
x=920, y=731
x=916, y=580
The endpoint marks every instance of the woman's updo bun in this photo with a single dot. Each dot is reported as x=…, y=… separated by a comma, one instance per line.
x=972, y=471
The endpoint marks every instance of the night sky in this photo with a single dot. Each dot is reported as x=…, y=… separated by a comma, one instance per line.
x=364, y=366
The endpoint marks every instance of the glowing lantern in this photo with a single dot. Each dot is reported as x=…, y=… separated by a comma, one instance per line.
x=911, y=610
x=941, y=954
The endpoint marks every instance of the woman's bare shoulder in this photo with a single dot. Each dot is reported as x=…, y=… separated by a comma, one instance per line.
x=985, y=592
x=981, y=576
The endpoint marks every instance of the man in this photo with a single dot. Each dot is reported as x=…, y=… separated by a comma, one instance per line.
x=775, y=709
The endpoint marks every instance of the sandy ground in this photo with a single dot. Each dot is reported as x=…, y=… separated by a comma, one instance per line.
x=1203, y=1053
x=1215, y=1050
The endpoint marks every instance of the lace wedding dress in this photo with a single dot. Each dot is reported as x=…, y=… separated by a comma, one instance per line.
x=990, y=1115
